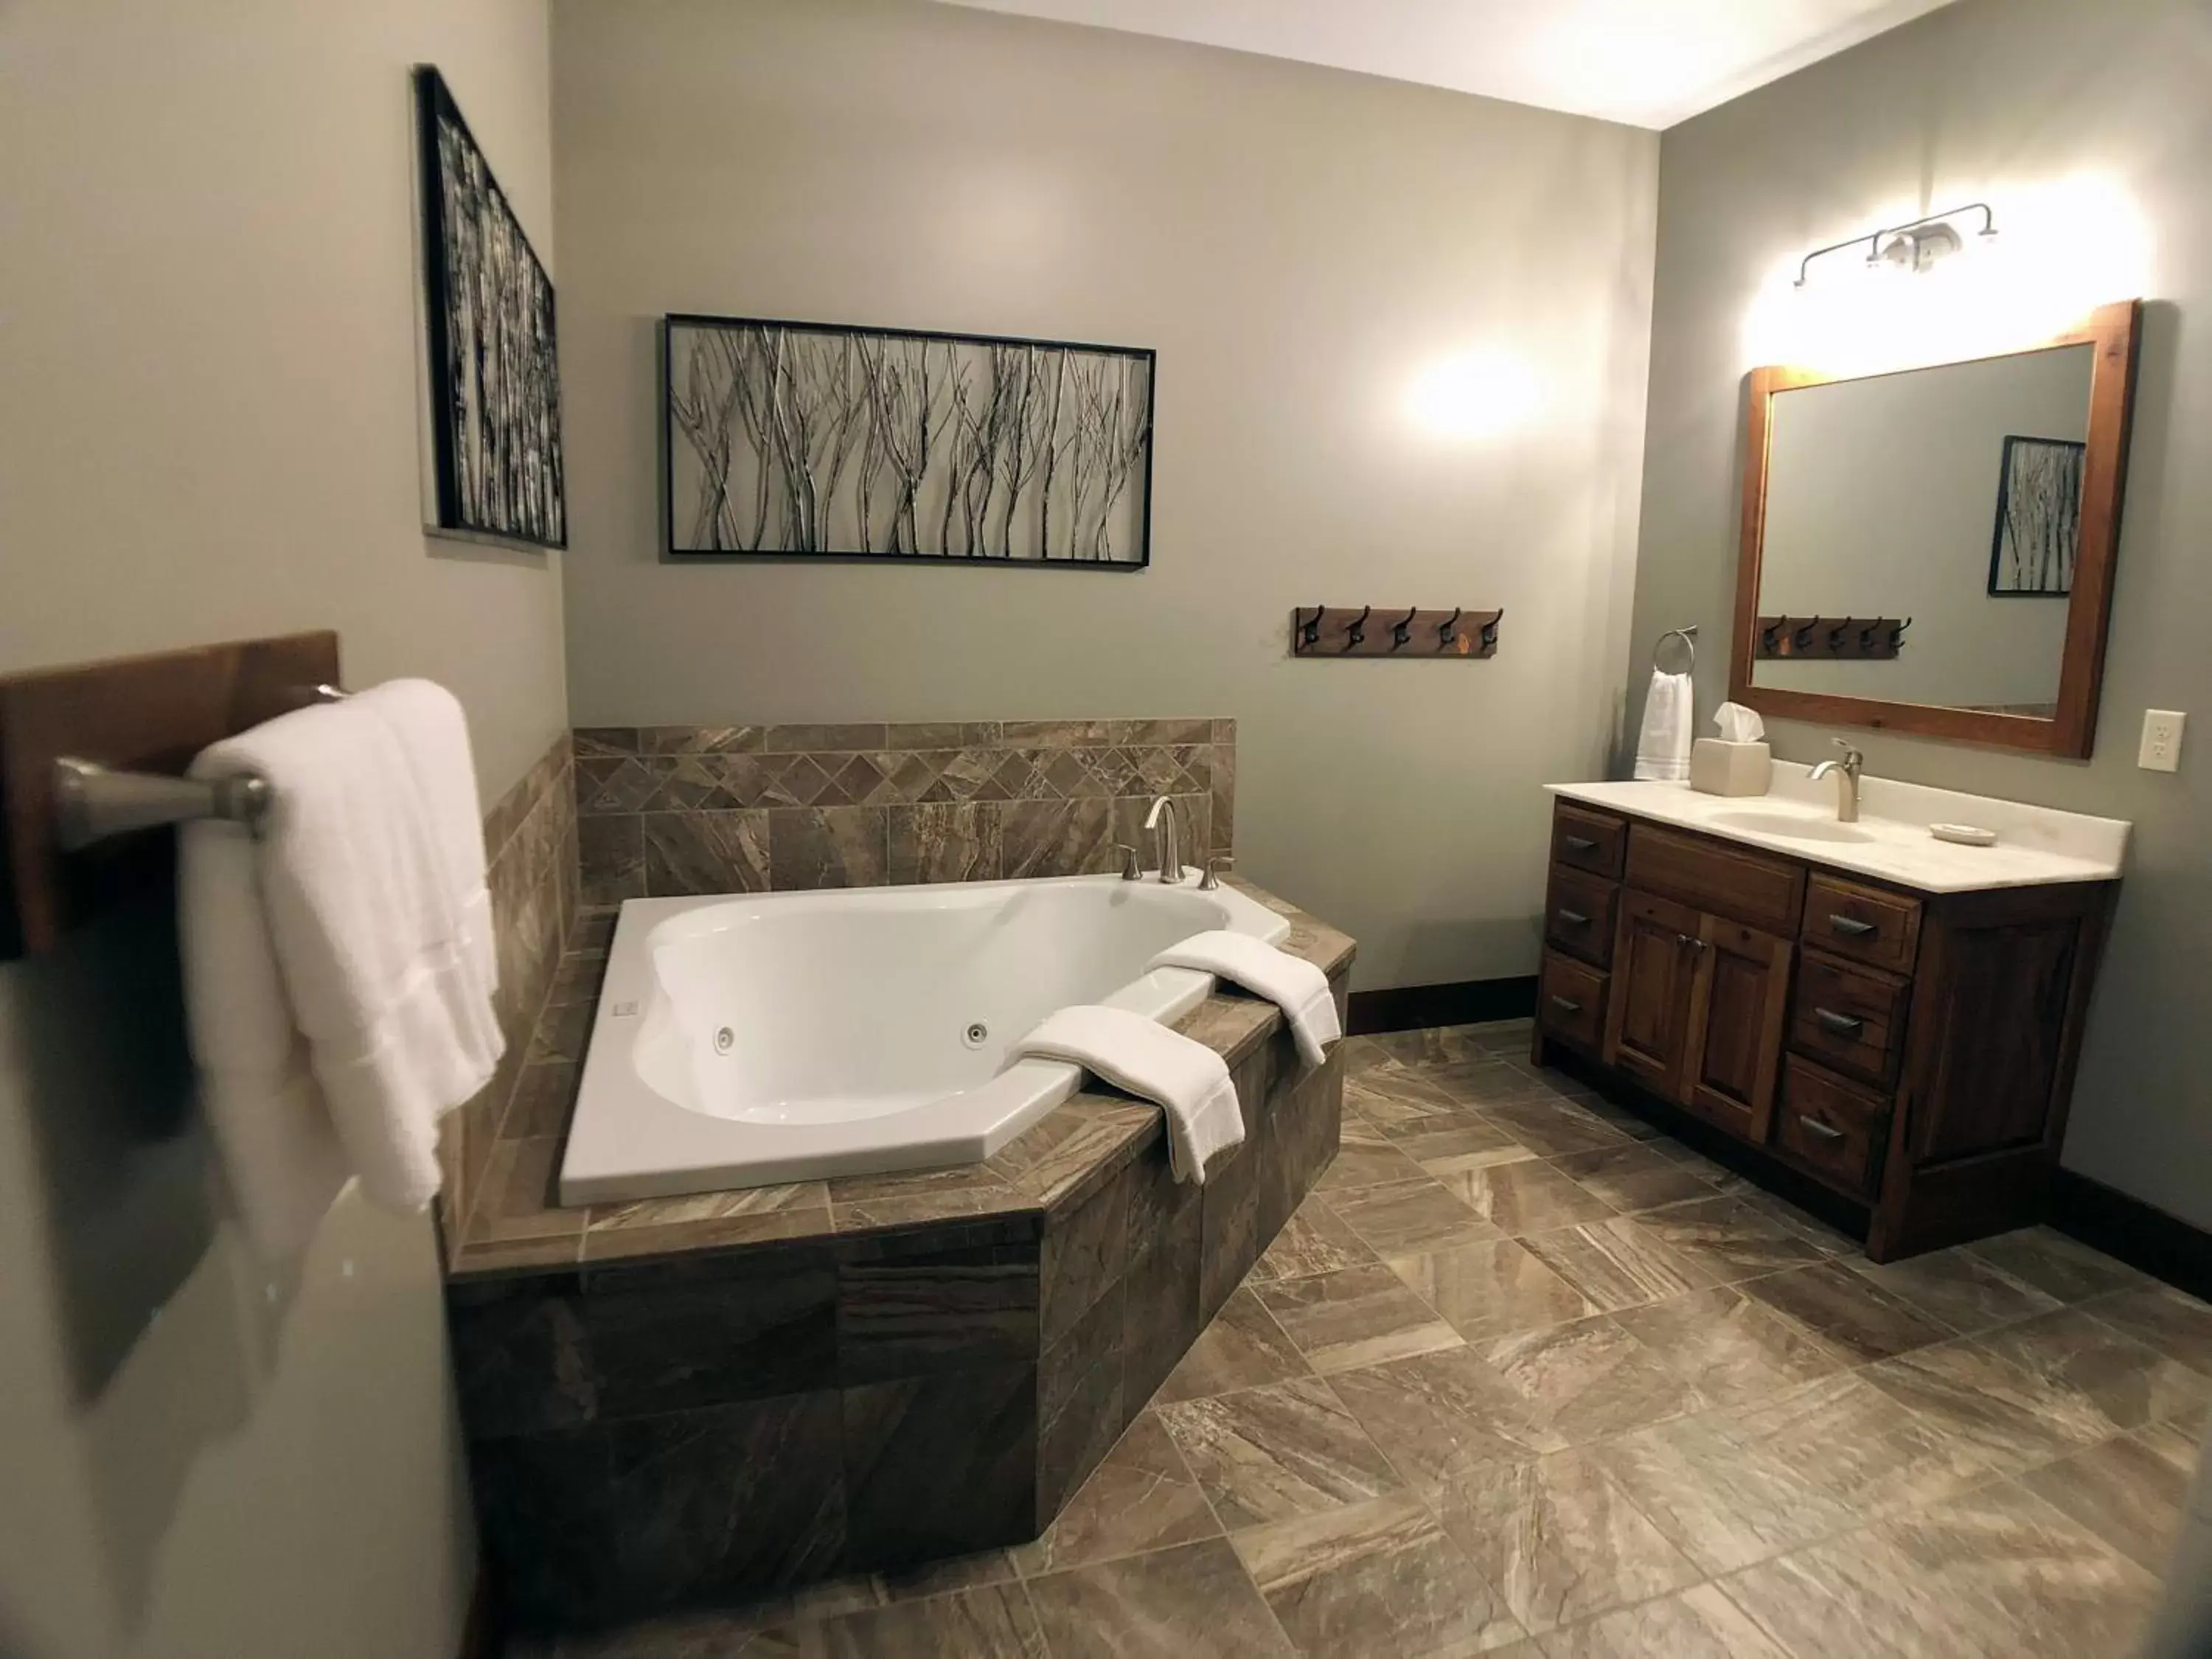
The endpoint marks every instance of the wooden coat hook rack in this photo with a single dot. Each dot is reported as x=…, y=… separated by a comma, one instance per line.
x=1323, y=630
x=1832, y=639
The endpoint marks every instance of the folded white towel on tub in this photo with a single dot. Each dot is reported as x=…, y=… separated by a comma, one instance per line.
x=1186, y=1078
x=1292, y=983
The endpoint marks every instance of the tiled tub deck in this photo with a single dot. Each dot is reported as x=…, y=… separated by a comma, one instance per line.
x=687, y=1400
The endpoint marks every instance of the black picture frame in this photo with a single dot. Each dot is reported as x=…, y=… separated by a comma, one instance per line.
x=495, y=392
x=2066, y=477
x=691, y=425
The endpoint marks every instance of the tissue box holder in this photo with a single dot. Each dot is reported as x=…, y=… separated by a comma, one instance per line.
x=1720, y=768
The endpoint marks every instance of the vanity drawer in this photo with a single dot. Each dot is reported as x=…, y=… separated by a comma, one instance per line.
x=1728, y=881
x=1832, y=1128
x=1570, y=1001
x=1850, y=1018
x=1578, y=915
x=1588, y=841
x=1862, y=922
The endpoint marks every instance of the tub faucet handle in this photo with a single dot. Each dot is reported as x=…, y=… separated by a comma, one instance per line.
x=1215, y=865
x=1129, y=871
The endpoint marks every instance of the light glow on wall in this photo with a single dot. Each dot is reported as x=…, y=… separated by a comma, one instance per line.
x=2062, y=248
x=1478, y=393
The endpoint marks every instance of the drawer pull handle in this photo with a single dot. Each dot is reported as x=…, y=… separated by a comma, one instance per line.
x=1851, y=927
x=1571, y=917
x=1578, y=843
x=1827, y=1132
x=1566, y=1005
x=1841, y=1025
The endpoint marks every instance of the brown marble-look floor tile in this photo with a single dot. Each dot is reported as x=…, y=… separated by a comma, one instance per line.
x=1356, y=1316
x=2055, y=1264
x=1435, y=1412
x=1559, y=1540
x=1366, y=1157
x=1853, y=1443
x=1528, y=1197
x=1700, y=1623
x=954, y=1572
x=1315, y=1240
x=1589, y=1379
x=1958, y=1288
x=1995, y=1575
x=1474, y=1145
x=1400, y=1102
x=1730, y=1237
x=2172, y=1322
x=1488, y=1290
x=1242, y=1348
x=1141, y=1497
x=2129, y=1492
x=1734, y=1350
x=1371, y=1578
x=1724, y=1500
x=993, y=1621
x=1615, y=1264
x=1405, y=1217
x=1267, y=1454
x=1172, y=1604
x=2086, y=1380
x=1847, y=1311
x=1634, y=1177
x=1553, y=1125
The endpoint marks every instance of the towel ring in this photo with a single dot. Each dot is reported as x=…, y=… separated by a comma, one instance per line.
x=1689, y=643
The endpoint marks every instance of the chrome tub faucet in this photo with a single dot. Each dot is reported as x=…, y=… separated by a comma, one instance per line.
x=1167, y=838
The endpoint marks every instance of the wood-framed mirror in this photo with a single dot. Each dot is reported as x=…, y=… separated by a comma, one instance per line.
x=1930, y=549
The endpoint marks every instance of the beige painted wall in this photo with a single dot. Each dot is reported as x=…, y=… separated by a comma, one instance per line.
x=1299, y=244
x=208, y=340
x=2028, y=102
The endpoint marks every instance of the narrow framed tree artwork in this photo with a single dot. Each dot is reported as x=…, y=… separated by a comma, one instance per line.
x=796, y=441
x=2039, y=527
x=494, y=381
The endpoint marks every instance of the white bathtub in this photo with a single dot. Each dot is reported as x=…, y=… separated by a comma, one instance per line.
x=741, y=1042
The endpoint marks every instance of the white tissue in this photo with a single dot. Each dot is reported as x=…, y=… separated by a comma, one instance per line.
x=1738, y=724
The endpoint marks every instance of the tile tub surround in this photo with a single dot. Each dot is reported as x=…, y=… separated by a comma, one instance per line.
x=691, y=1400
x=674, y=811
x=530, y=843
x=1683, y=1449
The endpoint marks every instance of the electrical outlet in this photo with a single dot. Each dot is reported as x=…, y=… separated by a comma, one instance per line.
x=2161, y=740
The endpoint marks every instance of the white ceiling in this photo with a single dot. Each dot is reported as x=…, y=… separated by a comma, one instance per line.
x=1648, y=62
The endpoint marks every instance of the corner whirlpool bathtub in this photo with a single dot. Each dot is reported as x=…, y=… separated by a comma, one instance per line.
x=742, y=1042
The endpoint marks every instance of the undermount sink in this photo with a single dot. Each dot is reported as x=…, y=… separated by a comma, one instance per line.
x=1790, y=825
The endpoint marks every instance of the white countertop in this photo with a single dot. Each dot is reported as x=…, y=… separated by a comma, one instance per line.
x=2037, y=845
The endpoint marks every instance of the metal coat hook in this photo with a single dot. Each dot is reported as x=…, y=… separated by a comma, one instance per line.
x=1897, y=636
x=1835, y=634
x=1802, y=636
x=1448, y=630
x=1490, y=630
x=1401, y=632
x=1357, y=631
x=1312, y=630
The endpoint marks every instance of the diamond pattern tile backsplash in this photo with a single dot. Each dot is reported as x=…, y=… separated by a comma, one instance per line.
x=676, y=809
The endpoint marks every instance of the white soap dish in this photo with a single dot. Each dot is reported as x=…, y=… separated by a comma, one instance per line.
x=1965, y=835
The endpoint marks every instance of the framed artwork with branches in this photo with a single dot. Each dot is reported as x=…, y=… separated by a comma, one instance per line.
x=784, y=441
x=2039, y=527
x=494, y=377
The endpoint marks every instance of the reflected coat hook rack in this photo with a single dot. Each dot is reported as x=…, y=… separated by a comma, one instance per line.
x=1323, y=630
x=1832, y=639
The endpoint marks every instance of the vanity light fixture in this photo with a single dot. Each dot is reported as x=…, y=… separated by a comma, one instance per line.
x=1917, y=247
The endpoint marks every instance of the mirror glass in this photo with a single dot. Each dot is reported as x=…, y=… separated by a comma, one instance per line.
x=1920, y=533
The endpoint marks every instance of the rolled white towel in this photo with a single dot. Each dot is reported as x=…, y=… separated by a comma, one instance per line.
x=1292, y=983
x=1187, y=1079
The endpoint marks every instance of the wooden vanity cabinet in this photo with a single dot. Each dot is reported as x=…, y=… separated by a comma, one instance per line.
x=1913, y=1052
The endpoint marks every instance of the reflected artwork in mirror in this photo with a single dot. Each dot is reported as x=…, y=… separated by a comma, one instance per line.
x=1953, y=525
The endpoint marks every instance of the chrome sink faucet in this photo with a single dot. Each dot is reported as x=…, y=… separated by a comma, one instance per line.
x=1167, y=838
x=1846, y=771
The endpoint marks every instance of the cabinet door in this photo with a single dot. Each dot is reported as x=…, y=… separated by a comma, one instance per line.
x=1739, y=1008
x=1654, y=963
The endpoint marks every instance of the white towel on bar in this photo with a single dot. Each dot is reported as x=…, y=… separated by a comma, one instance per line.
x=1186, y=1078
x=1292, y=983
x=334, y=1008
x=1663, y=749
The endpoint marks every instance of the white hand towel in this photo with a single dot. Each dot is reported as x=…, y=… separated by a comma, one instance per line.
x=1186, y=1078
x=1292, y=984
x=348, y=898
x=1663, y=749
